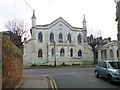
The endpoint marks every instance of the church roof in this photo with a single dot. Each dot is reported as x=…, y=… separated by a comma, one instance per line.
x=57, y=20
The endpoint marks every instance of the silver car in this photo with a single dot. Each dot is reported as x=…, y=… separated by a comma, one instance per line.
x=109, y=70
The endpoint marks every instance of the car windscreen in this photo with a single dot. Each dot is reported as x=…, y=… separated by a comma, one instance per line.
x=115, y=65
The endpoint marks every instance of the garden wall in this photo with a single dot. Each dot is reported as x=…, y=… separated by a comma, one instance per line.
x=11, y=64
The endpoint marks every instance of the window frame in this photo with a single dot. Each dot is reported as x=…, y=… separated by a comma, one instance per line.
x=79, y=38
x=51, y=37
x=40, y=53
x=62, y=53
x=40, y=37
x=60, y=38
x=69, y=38
x=79, y=53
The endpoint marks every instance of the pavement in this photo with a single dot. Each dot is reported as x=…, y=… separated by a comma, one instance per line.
x=36, y=81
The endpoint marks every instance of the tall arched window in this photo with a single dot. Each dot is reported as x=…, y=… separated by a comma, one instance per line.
x=117, y=53
x=52, y=52
x=62, y=52
x=60, y=38
x=40, y=37
x=79, y=53
x=51, y=37
x=111, y=53
x=71, y=52
x=69, y=38
x=79, y=38
x=40, y=54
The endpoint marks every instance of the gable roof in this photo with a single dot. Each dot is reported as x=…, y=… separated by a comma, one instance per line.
x=56, y=21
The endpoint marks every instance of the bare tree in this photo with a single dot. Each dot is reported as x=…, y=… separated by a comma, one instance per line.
x=18, y=27
x=93, y=41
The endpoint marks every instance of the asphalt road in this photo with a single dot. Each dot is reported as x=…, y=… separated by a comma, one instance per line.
x=73, y=77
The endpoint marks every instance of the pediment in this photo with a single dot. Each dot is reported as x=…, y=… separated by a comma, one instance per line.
x=59, y=24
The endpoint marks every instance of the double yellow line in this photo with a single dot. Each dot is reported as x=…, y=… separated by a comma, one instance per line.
x=52, y=82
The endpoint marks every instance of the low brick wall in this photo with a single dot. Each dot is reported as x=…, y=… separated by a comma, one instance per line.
x=11, y=64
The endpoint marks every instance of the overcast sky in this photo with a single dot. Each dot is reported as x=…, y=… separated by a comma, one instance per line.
x=100, y=14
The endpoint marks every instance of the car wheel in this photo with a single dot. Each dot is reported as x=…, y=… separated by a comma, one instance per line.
x=96, y=74
x=109, y=78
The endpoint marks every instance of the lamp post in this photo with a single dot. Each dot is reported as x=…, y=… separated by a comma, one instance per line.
x=54, y=54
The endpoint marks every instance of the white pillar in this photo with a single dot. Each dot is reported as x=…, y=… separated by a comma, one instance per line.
x=99, y=55
x=107, y=54
x=114, y=53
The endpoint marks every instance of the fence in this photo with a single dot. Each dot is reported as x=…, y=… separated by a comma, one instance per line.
x=59, y=59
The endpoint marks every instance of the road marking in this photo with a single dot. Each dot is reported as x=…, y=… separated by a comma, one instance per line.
x=52, y=85
x=52, y=81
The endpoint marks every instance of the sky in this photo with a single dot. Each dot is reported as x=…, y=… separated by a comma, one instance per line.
x=100, y=14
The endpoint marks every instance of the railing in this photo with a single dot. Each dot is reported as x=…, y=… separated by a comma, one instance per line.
x=59, y=59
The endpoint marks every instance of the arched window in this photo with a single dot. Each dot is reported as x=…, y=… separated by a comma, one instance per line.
x=40, y=37
x=62, y=52
x=52, y=52
x=79, y=38
x=69, y=38
x=117, y=53
x=51, y=37
x=60, y=38
x=79, y=53
x=111, y=53
x=71, y=52
x=40, y=54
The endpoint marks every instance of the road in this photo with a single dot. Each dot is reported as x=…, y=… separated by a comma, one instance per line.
x=73, y=77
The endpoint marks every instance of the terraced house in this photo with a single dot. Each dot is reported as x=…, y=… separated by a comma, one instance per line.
x=58, y=40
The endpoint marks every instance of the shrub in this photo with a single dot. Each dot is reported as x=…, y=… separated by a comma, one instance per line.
x=76, y=64
x=33, y=65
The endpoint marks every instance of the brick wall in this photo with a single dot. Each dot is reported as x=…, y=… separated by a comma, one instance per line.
x=11, y=64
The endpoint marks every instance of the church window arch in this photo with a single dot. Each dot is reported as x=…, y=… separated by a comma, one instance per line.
x=71, y=52
x=40, y=54
x=40, y=37
x=51, y=37
x=79, y=38
x=79, y=53
x=117, y=53
x=69, y=37
x=60, y=38
x=62, y=52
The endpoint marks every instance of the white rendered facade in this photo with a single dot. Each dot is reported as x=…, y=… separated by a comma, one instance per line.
x=108, y=51
x=37, y=50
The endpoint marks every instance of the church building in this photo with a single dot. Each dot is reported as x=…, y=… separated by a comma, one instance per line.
x=57, y=41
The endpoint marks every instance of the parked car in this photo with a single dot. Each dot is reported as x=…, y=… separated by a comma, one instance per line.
x=109, y=70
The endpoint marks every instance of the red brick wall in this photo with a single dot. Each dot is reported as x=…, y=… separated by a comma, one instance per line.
x=11, y=64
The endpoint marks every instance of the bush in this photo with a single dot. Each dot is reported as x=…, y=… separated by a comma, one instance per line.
x=76, y=64
x=44, y=65
x=63, y=64
x=33, y=65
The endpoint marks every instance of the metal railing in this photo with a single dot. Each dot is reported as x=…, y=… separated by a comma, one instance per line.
x=59, y=59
